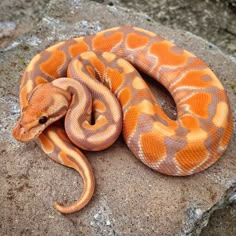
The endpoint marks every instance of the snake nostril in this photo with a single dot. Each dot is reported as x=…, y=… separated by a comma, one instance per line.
x=22, y=129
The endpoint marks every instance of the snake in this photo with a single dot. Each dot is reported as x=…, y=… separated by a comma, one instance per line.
x=80, y=94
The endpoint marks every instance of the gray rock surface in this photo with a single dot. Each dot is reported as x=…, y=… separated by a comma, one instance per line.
x=18, y=17
x=130, y=199
x=214, y=20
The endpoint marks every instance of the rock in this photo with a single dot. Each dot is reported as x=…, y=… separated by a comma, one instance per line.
x=130, y=199
x=6, y=27
x=24, y=14
x=214, y=22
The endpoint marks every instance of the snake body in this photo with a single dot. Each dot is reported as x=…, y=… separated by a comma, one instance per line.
x=107, y=94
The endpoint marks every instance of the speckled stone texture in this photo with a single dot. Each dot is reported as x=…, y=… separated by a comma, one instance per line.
x=130, y=199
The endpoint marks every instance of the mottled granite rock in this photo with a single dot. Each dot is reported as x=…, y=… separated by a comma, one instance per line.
x=130, y=199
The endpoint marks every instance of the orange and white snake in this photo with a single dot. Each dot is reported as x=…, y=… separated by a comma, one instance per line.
x=90, y=81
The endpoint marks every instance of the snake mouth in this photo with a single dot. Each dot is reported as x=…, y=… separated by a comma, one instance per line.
x=23, y=135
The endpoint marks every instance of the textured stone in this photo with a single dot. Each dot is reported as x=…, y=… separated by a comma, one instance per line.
x=130, y=199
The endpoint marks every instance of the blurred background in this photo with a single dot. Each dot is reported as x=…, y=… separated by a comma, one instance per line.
x=213, y=20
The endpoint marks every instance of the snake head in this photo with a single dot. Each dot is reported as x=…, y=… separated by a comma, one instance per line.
x=46, y=104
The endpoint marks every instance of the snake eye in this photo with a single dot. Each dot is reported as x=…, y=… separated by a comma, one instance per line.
x=43, y=120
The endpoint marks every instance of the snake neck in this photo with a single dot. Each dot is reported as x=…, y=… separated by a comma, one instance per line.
x=79, y=111
x=86, y=122
x=81, y=100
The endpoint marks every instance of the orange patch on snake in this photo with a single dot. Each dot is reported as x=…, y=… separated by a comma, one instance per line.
x=47, y=144
x=100, y=67
x=193, y=125
x=190, y=122
x=191, y=156
x=135, y=40
x=79, y=48
x=56, y=60
x=100, y=122
x=130, y=121
x=63, y=156
x=153, y=146
x=40, y=80
x=162, y=50
x=199, y=103
x=191, y=78
x=91, y=71
x=124, y=96
x=106, y=43
x=118, y=78
x=99, y=106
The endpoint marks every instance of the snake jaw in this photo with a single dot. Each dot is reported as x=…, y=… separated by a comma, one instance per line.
x=24, y=133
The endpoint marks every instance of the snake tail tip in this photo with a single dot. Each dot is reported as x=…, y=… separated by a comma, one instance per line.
x=61, y=209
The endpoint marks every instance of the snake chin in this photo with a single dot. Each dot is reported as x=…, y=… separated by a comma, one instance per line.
x=23, y=135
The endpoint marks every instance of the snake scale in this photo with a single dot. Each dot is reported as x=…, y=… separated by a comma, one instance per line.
x=91, y=82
